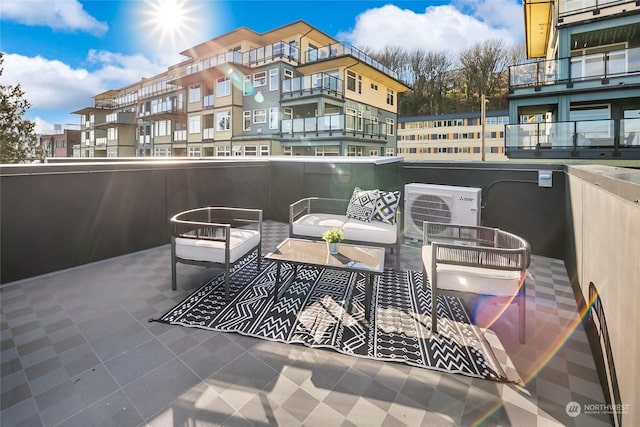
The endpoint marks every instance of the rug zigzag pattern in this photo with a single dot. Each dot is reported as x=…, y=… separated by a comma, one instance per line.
x=325, y=308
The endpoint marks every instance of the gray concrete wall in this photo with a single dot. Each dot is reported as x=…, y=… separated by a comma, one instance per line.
x=605, y=215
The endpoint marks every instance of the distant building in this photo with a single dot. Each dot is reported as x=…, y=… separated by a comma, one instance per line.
x=59, y=142
x=452, y=136
x=581, y=97
x=290, y=91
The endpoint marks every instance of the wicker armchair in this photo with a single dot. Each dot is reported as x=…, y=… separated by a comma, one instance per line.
x=476, y=259
x=215, y=236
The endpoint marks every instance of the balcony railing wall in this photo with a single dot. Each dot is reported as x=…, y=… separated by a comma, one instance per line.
x=312, y=84
x=596, y=66
x=339, y=124
x=576, y=135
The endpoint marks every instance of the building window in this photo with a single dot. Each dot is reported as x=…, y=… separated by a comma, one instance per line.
x=260, y=79
x=223, y=121
x=260, y=116
x=194, y=93
x=389, y=152
x=390, y=126
x=223, y=87
x=162, y=152
x=194, y=124
x=264, y=150
x=273, y=79
x=246, y=120
x=354, y=150
x=327, y=151
x=273, y=118
x=351, y=81
x=390, y=96
x=288, y=74
x=374, y=86
x=374, y=153
x=250, y=150
x=112, y=134
x=287, y=151
x=194, y=152
x=350, y=119
x=223, y=151
x=247, y=87
x=287, y=113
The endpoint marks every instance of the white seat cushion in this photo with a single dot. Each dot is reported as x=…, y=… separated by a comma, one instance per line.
x=374, y=231
x=241, y=241
x=478, y=280
x=314, y=225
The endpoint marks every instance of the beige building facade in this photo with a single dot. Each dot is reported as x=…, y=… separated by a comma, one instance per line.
x=453, y=137
x=290, y=91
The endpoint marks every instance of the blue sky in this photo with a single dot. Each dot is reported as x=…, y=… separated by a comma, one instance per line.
x=63, y=52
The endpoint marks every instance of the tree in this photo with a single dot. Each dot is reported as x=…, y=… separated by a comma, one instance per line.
x=18, y=141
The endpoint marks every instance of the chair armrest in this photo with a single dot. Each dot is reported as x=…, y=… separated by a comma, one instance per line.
x=481, y=256
x=214, y=223
x=471, y=234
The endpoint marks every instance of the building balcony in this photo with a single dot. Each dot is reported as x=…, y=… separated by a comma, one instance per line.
x=588, y=138
x=312, y=85
x=78, y=347
x=180, y=135
x=337, y=50
x=612, y=68
x=334, y=125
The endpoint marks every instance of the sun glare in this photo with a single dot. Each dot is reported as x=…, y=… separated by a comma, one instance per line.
x=169, y=21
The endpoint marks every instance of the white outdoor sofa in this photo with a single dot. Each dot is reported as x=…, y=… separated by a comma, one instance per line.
x=475, y=259
x=312, y=216
x=215, y=236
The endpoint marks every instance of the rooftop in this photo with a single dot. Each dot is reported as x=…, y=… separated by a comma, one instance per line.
x=77, y=347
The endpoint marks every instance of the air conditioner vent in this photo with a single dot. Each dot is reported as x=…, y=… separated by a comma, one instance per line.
x=439, y=203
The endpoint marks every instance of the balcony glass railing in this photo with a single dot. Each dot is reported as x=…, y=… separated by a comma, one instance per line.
x=214, y=61
x=207, y=133
x=319, y=82
x=585, y=67
x=342, y=49
x=270, y=52
x=568, y=7
x=167, y=107
x=207, y=101
x=343, y=123
x=574, y=135
x=180, y=135
x=101, y=141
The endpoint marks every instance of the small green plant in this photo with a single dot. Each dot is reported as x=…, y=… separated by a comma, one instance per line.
x=333, y=236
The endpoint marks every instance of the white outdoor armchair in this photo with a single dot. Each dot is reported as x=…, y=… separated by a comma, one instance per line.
x=215, y=236
x=477, y=259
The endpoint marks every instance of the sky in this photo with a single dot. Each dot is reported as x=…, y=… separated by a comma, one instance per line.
x=63, y=52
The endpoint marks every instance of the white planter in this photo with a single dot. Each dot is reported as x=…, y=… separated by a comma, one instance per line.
x=334, y=248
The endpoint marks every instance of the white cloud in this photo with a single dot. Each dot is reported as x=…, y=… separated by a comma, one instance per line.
x=451, y=28
x=53, y=87
x=65, y=15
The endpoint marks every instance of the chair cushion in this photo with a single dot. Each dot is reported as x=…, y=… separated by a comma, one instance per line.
x=386, y=206
x=374, y=231
x=241, y=241
x=314, y=225
x=362, y=204
x=479, y=280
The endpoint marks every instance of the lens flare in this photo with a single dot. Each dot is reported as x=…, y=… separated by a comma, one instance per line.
x=169, y=21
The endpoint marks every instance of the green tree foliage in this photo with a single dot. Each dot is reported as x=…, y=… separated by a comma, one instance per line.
x=18, y=141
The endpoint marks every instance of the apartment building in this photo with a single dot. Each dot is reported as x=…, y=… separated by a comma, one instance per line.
x=453, y=136
x=290, y=91
x=580, y=97
x=59, y=142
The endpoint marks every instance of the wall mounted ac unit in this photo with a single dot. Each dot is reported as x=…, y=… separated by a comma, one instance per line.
x=439, y=203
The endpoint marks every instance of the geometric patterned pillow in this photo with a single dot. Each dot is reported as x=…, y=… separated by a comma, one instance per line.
x=362, y=204
x=386, y=206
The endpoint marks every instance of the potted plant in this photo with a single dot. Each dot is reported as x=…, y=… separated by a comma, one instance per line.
x=333, y=238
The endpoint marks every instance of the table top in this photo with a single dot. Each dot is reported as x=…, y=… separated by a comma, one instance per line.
x=349, y=257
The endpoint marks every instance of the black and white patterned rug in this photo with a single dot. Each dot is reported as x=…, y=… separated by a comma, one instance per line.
x=325, y=308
